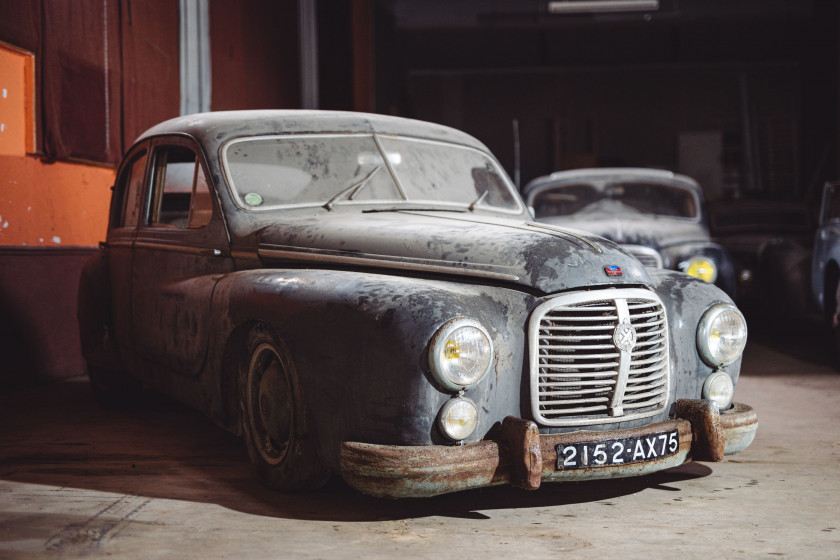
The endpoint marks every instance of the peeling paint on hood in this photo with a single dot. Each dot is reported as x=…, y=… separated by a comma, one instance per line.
x=535, y=256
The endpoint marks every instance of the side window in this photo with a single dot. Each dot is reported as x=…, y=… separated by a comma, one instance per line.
x=181, y=195
x=201, y=209
x=130, y=188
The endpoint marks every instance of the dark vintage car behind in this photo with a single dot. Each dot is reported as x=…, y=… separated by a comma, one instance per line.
x=825, y=266
x=658, y=216
x=770, y=243
x=368, y=296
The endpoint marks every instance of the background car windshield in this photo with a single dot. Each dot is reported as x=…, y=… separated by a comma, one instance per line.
x=340, y=169
x=647, y=198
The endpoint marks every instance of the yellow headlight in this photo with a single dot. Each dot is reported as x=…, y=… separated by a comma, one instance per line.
x=702, y=268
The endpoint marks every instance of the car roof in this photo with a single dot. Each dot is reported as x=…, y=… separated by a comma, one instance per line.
x=600, y=174
x=214, y=128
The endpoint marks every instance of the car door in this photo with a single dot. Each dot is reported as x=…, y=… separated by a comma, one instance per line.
x=126, y=209
x=180, y=251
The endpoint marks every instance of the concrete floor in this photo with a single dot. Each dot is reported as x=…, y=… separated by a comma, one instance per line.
x=76, y=481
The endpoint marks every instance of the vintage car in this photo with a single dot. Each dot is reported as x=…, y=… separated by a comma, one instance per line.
x=825, y=264
x=368, y=296
x=770, y=243
x=656, y=215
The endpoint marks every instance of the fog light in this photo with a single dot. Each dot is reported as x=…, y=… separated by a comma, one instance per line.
x=719, y=389
x=458, y=418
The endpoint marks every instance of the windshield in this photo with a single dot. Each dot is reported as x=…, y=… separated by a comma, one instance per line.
x=616, y=198
x=330, y=170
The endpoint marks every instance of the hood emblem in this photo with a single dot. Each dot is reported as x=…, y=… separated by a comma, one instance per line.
x=613, y=270
x=624, y=336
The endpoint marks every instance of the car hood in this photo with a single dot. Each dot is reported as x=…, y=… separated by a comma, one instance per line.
x=650, y=231
x=532, y=255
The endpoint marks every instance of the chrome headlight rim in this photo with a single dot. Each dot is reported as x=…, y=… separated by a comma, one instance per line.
x=704, y=330
x=436, y=349
x=459, y=401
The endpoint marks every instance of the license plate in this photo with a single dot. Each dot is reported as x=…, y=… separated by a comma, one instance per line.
x=621, y=451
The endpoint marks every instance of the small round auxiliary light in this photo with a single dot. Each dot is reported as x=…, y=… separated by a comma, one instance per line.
x=719, y=389
x=458, y=418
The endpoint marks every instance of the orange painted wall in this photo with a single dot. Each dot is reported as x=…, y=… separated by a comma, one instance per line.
x=12, y=103
x=53, y=204
x=42, y=203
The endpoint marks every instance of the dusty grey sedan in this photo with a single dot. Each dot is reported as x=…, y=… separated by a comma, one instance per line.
x=656, y=215
x=367, y=296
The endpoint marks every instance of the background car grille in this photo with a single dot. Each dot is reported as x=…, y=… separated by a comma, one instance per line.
x=649, y=257
x=579, y=375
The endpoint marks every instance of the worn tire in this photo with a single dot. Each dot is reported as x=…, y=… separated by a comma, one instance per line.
x=274, y=420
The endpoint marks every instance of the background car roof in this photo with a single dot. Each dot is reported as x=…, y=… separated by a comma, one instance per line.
x=601, y=174
x=217, y=127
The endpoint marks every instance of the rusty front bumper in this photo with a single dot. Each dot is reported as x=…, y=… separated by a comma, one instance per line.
x=524, y=458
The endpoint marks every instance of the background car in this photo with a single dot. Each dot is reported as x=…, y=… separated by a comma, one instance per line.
x=656, y=215
x=825, y=268
x=367, y=296
x=770, y=244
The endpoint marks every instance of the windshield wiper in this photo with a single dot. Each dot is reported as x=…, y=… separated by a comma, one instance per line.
x=353, y=189
x=478, y=200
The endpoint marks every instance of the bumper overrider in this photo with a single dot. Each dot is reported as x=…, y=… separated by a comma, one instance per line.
x=522, y=457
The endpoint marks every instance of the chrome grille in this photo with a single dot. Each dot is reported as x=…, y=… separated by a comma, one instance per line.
x=650, y=258
x=584, y=369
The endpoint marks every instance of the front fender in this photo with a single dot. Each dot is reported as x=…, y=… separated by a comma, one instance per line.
x=360, y=345
x=686, y=299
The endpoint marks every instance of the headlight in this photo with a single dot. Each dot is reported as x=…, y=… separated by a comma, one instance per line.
x=458, y=418
x=721, y=334
x=460, y=354
x=719, y=389
x=700, y=267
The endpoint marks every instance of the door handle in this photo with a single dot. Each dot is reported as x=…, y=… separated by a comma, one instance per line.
x=210, y=253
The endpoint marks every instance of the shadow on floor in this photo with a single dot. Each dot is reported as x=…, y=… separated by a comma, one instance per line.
x=57, y=436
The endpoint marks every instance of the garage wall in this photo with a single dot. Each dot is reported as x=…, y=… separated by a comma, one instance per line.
x=630, y=116
x=254, y=55
x=624, y=88
x=100, y=72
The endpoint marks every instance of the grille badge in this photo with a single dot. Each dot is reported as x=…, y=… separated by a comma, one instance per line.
x=613, y=270
x=624, y=336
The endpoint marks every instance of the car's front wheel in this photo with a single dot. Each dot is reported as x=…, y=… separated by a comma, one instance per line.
x=273, y=413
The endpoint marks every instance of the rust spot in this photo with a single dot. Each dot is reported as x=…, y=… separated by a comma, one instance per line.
x=520, y=441
x=709, y=439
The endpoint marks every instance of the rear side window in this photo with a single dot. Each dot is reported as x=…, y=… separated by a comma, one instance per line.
x=130, y=189
x=181, y=195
